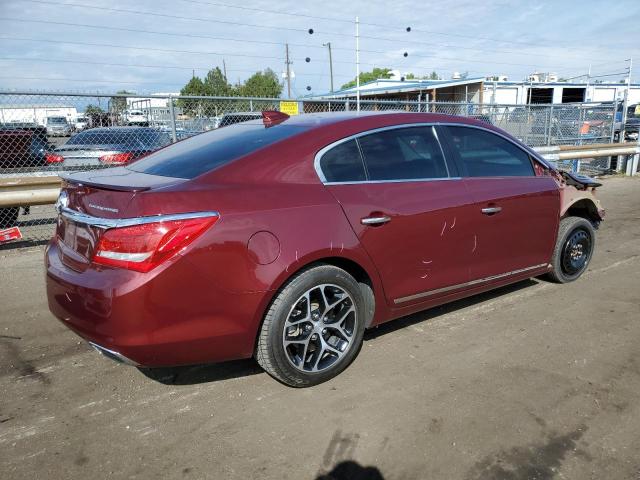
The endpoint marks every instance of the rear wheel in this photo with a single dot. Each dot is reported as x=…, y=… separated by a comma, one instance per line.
x=314, y=327
x=9, y=217
x=573, y=250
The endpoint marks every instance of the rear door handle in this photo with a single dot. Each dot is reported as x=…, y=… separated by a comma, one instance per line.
x=491, y=210
x=378, y=220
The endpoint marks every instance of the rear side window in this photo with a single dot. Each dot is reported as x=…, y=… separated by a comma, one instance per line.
x=485, y=154
x=202, y=153
x=411, y=153
x=343, y=163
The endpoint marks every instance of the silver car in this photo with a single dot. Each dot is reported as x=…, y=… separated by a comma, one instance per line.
x=58, y=127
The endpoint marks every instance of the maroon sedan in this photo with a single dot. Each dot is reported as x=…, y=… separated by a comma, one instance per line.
x=285, y=238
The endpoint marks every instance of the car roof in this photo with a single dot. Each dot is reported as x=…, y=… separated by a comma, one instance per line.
x=312, y=121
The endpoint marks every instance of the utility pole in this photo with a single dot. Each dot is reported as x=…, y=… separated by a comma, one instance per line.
x=224, y=69
x=288, y=64
x=328, y=45
x=625, y=103
x=357, y=64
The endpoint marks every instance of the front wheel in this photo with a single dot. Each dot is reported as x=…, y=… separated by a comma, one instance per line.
x=573, y=250
x=314, y=327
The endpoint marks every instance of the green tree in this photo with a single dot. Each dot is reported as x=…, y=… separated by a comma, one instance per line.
x=195, y=86
x=93, y=110
x=410, y=76
x=119, y=104
x=434, y=76
x=262, y=84
x=216, y=84
x=190, y=106
x=365, y=77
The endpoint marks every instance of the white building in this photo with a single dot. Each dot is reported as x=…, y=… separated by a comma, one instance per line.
x=156, y=108
x=35, y=113
x=523, y=93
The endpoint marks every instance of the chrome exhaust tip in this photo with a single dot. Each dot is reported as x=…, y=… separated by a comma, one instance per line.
x=115, y=356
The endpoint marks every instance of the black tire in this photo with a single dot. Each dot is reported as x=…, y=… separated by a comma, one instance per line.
x=271, y=353
x=573, y=251
x=9, y=217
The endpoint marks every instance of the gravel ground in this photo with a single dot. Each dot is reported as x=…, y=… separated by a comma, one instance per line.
x=532, y=381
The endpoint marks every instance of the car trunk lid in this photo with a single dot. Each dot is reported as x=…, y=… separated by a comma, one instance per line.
x=103, y=194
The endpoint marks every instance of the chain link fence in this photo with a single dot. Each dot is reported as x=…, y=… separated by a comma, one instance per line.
x=46, y=134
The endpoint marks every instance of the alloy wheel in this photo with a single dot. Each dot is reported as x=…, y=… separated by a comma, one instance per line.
x=319, y=328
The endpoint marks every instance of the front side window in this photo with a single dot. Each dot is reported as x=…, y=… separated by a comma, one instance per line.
x=410, y=153
x=485, y=154
x=343, y=163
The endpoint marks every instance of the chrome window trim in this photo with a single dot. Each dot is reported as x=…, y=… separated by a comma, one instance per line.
x=471, y=283
x=403, y=180
x=322, y=151
x=510, y=140
x=86, y=219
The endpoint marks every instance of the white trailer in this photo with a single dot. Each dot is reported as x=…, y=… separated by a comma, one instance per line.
x=35, y=113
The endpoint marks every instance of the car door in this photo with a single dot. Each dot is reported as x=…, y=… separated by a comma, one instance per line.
x=407, y=206
x=516, y=212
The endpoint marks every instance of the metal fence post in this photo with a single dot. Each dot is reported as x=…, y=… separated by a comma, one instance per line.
x=550, y=125
x=173, y=120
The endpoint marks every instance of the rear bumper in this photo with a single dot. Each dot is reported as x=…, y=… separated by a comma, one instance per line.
x=170, y=316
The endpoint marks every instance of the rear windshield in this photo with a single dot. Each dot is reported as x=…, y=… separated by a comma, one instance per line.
x=132, y=139
x=202, y=153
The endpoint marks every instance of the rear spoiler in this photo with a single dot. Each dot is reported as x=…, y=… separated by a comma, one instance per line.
x=119, y=179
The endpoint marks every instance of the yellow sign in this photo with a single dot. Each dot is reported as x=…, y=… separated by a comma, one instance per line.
x=636, y=113
x=290, y=108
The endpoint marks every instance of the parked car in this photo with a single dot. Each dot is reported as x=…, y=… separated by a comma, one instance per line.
x=238, y=117
x=22, y=146
x=58, y=126
x=107, y=146
x=81, y=123
x=135, y=118
x=632, y=126
x=285, y=239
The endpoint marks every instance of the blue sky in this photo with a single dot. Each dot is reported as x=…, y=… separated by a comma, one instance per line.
x=64, y=45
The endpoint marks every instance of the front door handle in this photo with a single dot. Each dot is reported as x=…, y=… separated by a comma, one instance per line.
x=377, y=220
x=491, y=210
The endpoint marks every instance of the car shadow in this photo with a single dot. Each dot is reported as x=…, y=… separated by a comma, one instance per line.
x=427, y=315
x=195, y=374
x=192, y=375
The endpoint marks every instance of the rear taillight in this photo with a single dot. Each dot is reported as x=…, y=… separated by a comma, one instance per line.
x=53, y=158
x=117, y=158
x=145, y=246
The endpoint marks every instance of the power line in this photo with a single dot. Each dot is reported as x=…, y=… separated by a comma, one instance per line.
x=110, y=45
x=209, y=20
x=157, y=32
x=256, y=41
x=343, y=20
x=198, y=52
x=62, y=79
x=137, y=65
x=163, y=15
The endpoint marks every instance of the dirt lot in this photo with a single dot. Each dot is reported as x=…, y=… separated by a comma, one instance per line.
x=534, y=381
